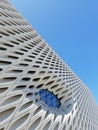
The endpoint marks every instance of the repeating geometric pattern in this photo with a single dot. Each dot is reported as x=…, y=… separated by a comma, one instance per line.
x=37, y=89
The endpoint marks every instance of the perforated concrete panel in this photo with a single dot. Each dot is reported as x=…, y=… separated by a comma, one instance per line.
x=38, y=91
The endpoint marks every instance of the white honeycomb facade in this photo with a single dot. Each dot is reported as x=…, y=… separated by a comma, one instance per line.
x=28, y=65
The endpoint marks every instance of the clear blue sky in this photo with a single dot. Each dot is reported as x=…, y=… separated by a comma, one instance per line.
x=71, y=28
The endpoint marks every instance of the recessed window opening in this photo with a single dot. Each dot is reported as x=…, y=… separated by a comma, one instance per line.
x=49, y=98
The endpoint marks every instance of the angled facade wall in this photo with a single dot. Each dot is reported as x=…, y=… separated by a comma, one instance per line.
x=37, y=89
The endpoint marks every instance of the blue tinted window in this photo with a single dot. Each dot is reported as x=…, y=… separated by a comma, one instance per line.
x=49, y=98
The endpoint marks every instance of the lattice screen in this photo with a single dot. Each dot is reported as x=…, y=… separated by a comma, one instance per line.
x=38, y=91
